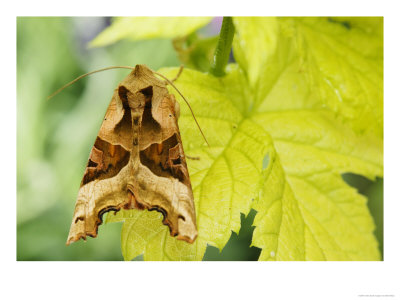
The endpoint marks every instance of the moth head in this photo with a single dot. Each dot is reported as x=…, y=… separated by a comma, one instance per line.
x=133, y=100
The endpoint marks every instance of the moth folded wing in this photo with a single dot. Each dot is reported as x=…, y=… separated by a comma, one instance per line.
x=77, y=229
x=162, y=180
x=103, y=188
x=186, y=219
x=169, y=196
x=96, y=198
x=187, y=216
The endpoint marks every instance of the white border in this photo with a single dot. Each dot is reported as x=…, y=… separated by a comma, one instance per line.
x=198, y=280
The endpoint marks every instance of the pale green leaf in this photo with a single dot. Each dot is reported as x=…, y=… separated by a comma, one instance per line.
x=342, y=58
x=314, y=149
x=233, y=175
x=138, y=28
x=274, y=148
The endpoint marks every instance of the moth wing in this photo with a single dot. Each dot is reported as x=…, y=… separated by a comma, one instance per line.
x=102, y=186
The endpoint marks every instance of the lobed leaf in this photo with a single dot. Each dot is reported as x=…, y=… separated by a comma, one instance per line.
x=276, y=147
x=342, y=58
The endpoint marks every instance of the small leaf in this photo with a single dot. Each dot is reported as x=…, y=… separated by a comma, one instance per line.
x=196, y=52
x=138, y=28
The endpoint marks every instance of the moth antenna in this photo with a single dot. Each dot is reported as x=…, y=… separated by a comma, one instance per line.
x=179, y=73
x=187, y=102
x=132, y=68
x=87, y=74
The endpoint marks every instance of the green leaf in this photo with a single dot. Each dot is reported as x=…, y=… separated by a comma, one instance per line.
x=138, y=28
x=342, y=58
x=273, y=147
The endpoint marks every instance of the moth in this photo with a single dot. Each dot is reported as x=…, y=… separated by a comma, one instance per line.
x=137, y=161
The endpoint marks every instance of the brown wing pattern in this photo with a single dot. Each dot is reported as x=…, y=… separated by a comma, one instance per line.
x=137, y=161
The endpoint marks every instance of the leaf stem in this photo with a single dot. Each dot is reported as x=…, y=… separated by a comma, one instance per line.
x=223, y=49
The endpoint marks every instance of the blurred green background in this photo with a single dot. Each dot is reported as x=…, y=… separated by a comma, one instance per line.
x=54, y=137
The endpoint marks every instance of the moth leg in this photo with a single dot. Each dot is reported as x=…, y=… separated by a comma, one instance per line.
x=193, y=157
